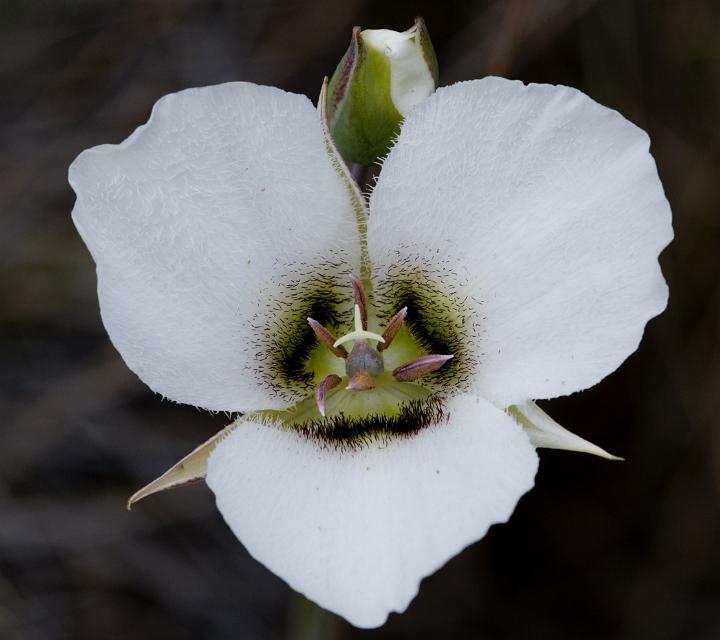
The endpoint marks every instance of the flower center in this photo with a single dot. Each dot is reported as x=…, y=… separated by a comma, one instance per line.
x=364, y=364
x=387, y=375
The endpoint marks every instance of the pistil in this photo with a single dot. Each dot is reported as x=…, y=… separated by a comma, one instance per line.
x=359, y=333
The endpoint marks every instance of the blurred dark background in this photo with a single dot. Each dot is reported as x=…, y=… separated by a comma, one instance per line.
x=597, y=550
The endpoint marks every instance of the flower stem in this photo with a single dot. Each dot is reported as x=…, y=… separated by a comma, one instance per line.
x=364, y=177
x=307, y=621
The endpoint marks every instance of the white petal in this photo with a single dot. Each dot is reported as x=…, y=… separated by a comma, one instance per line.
x=224, y=198
x=356, y=531
x=548, y=210
x=545, y=433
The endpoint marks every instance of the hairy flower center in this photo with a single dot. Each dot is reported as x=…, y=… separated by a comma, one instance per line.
x=364, y=365
x=380, y=390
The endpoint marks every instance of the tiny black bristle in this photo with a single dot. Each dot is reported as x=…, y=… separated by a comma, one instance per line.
x=350, y=433
x=284, y=339
x=438, y=316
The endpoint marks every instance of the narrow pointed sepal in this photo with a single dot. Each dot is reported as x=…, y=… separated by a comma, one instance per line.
x=545, y=433
x=329, y=382
x=192, y=468
x=422, y=366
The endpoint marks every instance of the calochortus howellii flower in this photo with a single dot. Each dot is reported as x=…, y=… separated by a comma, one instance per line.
x=383, y=351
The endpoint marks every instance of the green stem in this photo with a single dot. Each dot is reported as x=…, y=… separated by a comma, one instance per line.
x=307, y=621
x=363, y=177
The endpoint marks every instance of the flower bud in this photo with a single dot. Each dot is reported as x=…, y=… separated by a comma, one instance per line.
x=381, y=77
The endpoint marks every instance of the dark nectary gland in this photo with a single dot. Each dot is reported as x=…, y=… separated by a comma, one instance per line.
x=427, y=318
x=343, y=432
x=296, y=339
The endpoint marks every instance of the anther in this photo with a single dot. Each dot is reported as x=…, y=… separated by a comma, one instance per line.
x=327, y=338
x=392, y=328
x=360, y=299
x=328, y=382
x=419, y=367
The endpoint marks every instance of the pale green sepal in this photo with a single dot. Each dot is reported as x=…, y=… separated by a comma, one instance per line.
x=545, y=433
x=428, y=51
x=359, y=203
x=191, y=468
x=381, y=77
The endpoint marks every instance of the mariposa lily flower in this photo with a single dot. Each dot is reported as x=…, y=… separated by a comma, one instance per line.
x=507, y=253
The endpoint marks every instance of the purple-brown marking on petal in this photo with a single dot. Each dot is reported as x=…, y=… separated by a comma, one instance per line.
x=420, y=367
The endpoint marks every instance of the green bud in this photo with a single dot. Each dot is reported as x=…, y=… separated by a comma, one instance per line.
x=381, y=77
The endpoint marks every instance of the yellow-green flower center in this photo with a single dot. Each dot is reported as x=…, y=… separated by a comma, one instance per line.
x=375, y=386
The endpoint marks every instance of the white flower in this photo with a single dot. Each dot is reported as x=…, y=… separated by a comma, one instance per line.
x=519, y=225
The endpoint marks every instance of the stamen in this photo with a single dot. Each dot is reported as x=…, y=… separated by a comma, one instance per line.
x=419, y=367
x=360, y=299
x=327, y=383
x=327, y=338
x=359, y=333
x=392, y=328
